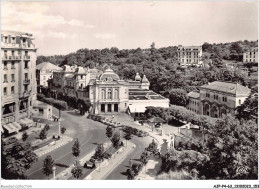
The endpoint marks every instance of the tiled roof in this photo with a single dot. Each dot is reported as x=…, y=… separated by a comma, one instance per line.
x=47, y=66
x=233, y=88
x=193, y=94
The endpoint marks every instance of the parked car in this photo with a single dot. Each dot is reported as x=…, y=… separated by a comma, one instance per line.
x=11, y=141
x=89, y=165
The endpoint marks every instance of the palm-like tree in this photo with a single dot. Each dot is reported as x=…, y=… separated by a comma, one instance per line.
x=48, y=164
x=77, y=171
x=127, y=136
x=76, y=149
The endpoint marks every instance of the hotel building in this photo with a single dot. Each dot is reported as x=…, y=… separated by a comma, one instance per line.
x=251, y=55
x=189, y=55
x=18, y=56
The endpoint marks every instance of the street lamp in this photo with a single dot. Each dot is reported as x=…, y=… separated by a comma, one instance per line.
x=53, y=169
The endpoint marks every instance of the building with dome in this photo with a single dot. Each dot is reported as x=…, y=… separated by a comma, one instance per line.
x=106, y=91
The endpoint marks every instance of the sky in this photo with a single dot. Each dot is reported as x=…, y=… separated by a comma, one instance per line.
x=62, y=27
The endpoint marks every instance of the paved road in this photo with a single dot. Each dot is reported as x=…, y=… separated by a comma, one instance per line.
x=87, y=131
x=118, y=172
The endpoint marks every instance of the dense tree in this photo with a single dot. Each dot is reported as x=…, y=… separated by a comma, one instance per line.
x=43, y=134
x=17, y=161
x=48, y=164
x=178, y=97
x=231, y=149
x=77, y=170
x=109, y=132
x=116, y=140
x=63, y=130
x=24, y=136
x=249, y=109
x=127, y=136
x=76, y=148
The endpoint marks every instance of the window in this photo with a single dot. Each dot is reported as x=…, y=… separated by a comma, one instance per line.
x=13, y=66
x=81, y=77
x=224, y=99
x=103, y=94
x=5, y=90
x=5, y=39
x=116, y=94
x=207, y=95
x=25, y=65
x=12, y=53
x=26, y=76
x=109, y=94
x=12, y=89
x=40, y=110
x=216, y=97
x=25, y=88
x=5, y=78
x=44, y=77
x=13, y=79
x=239, y=102
x=5, y=65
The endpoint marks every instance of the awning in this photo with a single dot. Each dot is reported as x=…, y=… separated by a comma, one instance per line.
x=26, y=121
x=156, y=120
x=12, y=127
x=134, y=108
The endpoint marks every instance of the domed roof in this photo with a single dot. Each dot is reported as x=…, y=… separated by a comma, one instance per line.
x=137, y=77
x=109, y=75
x=145, y=80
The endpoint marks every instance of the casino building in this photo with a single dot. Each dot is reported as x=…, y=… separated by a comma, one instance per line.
x=110, y=94
x=106, y=91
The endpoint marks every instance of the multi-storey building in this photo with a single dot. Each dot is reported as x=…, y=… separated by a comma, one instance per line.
x=251, y=55
x=18, y=56
x=44, y=72
x=189, y=55
x=106, y=91
x=217, y=98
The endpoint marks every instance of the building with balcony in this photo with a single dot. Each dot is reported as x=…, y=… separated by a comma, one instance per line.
x=251, y=55
x=189, y=55
x=18, y=78
x=44, y=72
x=217, y=98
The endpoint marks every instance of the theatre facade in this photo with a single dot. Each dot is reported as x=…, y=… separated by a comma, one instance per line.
x=110, y=94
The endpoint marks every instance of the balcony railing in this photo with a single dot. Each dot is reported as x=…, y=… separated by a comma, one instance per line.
x=25, y=94
x=26, y=82
x=8, y=115
x=26, y=57
x=5, y=57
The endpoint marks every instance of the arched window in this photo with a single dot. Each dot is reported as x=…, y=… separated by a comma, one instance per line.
x=109, y=94
x=116, y=94
x=103, y=94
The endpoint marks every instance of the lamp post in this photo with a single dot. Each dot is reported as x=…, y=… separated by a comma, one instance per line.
x=53, y=169
x=59, y=128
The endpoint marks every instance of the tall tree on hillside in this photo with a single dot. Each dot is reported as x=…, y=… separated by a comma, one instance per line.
x=48, y=164
x=249, y=109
